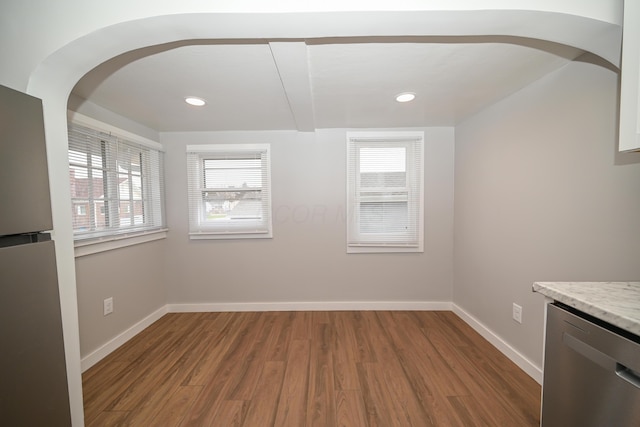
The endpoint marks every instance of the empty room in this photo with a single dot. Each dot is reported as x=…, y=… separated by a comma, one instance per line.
x=326, y=213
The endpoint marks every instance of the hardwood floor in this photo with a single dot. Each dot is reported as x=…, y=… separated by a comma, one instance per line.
x=376, y=369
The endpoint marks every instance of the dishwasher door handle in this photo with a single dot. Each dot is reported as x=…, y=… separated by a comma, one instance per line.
x=629, y=375
x=589, y=352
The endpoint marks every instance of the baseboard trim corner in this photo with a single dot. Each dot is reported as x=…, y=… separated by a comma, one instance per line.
x=514, y=355
x=110, y=346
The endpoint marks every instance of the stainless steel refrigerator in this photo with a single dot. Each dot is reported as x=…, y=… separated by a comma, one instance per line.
x=33, y=380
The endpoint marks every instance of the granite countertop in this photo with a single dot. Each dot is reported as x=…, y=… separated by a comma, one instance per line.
x=617, y=303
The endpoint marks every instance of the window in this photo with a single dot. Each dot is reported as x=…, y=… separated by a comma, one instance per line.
x=385, y=192
x=116, y=185
x=229, y=191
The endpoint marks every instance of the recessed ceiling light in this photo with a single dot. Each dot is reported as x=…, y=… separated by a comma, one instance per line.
x=405, y=97
x=192, y=100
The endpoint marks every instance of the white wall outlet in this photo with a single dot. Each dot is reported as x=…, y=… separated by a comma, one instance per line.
x=517, y=313
x=108, y=306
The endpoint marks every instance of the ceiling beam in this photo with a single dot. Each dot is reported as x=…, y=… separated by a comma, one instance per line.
x=293, y=66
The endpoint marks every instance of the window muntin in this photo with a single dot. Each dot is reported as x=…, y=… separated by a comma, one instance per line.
x=384, y=188
x=229, y=191
x=116, y=185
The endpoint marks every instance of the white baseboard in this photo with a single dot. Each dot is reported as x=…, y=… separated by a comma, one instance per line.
x=514, y=355
x=109, y=347
x=313, y=306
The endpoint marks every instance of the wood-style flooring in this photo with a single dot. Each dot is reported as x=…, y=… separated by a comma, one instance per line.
x=351, y=368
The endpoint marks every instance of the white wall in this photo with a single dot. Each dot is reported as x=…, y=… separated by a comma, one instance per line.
x=134, y=276
x=306, y=261
x=542, y=195
x=89, y=109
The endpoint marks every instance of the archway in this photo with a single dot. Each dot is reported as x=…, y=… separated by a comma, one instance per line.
x=56, y=76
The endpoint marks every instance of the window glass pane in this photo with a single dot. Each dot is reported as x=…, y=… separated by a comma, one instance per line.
x=81, y=221
x=130, y=187
x=128, y=159
x=125, y=207
x=125, y=214
x=384, y=217
x=138, y=212
x=79, y=183
x=123, y=187
x=100, y=214
x=136, y=183
x=232, y=205
x=78, y=172
x=383, y=167
x=383, y=179
x=77, y=157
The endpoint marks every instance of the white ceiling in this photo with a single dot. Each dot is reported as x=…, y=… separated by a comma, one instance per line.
x=312, y=84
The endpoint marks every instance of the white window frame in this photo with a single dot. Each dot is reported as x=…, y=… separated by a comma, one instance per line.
x=199, y=226
x=413, y=193
x=154, y=228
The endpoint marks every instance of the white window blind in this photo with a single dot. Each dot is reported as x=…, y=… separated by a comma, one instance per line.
x=385, y=192
x=116, y=185
x=229, y=191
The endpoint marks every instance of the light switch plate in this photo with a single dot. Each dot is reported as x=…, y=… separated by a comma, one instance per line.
x=108, y=306
x=517, y=313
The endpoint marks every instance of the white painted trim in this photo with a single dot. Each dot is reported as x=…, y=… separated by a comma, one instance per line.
x=514, y=355
x=112, y=345
x=117, y=241
x=312, y=306
x=221, y=148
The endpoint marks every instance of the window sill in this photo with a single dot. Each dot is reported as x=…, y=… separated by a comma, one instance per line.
x=89, y=247
x=383, y=249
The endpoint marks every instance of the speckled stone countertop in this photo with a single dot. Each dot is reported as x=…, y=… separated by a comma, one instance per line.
x=615, y=302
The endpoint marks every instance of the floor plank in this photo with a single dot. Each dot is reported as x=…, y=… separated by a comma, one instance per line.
x=351, y=368
x=350, y=410
x=321, y=401
x=265, y=400
x=175, y=408
x=293, y=396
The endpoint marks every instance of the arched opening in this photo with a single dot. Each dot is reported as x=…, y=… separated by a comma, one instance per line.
x=55, y=78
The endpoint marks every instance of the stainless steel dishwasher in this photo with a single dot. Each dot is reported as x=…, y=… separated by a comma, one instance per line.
x=591, y=372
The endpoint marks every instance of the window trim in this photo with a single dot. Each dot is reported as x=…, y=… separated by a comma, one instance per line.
x=106, y=242
x=197, y=231
x=396, y=138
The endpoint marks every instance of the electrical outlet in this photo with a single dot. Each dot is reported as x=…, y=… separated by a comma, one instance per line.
x=517, y=313
x=108, y=306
